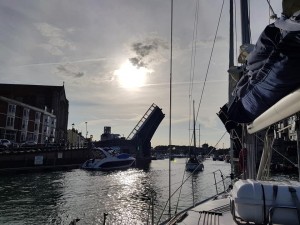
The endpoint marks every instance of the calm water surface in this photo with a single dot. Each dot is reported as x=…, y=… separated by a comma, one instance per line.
x=59, y=197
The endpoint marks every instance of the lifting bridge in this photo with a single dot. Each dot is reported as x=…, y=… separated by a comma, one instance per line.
x=143, y=132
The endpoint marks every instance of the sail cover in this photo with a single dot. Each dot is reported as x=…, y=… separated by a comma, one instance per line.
x=272, y=72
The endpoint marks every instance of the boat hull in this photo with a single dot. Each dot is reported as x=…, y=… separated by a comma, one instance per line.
x=108, y=165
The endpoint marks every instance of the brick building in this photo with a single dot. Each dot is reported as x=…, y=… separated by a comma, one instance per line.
x=33, y=112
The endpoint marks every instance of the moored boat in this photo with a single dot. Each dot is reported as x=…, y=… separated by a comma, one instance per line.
x=193, y=164
x=106, y=161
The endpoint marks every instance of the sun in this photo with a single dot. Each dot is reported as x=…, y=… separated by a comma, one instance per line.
x=130, y=76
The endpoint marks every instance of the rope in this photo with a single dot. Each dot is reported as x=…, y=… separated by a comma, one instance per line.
x=274, y=15
x=264, y=205
x=295, y=199
x=290, y=161
x=217, y=143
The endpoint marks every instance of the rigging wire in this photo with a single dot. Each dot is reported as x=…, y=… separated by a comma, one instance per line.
x=217, y=143
x=208, y=67
x=274, y=15
x=170, y=107
x=193, y=59
x=194, y=48
x=209, y=62
x=192, y=71
x=178, y=189
x=290, y=161
x=192, y=76
x=185, y=180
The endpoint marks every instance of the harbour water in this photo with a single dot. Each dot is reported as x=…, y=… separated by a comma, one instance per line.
x=59, y=197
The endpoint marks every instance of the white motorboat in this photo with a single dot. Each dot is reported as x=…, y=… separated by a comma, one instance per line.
x=105, y=161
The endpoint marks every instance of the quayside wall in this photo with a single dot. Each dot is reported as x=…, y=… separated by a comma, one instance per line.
x=42, y=159
x=29, y=160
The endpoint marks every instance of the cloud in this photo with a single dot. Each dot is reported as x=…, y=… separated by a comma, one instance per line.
x=53, y=50
x=56, y=40
x=147, y=51
x=95, y=60
x=69, y=70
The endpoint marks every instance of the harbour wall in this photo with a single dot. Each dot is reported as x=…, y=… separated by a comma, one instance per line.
x=30, y=160
x=42, y=159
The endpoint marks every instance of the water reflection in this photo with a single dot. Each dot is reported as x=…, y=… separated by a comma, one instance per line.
x=59, y=197
x=24, y=197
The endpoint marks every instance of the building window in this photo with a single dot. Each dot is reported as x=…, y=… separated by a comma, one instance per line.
x=23, y=137
x=46, y=130
x=11, y=109
x=36, y=127
x=37, y=115
x=10, y=121
x=47, y=118
x=35, y=137
x=24, y=124
x=26, y=113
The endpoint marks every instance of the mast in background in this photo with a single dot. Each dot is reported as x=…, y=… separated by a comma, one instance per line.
x=194, y=126
x=170, y=119
x=231, y=81
x=251, y=139
x=245, y=23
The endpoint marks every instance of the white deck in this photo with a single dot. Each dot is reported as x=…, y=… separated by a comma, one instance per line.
x=211, y=212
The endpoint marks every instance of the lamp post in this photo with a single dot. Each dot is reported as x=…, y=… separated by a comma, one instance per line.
x=86, y=133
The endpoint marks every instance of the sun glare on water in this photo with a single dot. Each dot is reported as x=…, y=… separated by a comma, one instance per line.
x=130, y=76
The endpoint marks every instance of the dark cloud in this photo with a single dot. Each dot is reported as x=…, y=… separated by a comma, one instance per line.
x=69, y=71
x=146, y=51
x=137, y=61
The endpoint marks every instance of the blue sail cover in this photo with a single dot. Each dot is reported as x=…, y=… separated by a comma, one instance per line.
x=272, y=72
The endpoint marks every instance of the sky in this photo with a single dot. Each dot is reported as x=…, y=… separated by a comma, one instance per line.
x=113, y=57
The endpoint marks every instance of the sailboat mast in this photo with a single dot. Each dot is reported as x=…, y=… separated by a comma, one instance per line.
x=199, y=137
x=245, y=23
x=245, y=37
x=231, y=41
x=231, y=81
x=170, y=119
x=251, y=139
x=194, y=126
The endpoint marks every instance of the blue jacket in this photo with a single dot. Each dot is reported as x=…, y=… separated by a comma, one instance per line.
x=272, y=72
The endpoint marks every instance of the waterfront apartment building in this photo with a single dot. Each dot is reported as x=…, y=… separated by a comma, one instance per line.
x=75, y=138
x=33, y=113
